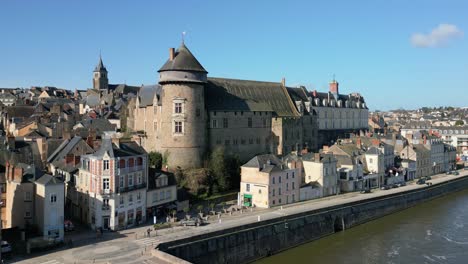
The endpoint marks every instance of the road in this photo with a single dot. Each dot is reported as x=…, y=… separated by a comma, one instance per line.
x=131, y=246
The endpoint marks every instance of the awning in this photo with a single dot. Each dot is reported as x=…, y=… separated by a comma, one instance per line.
x=247, y=196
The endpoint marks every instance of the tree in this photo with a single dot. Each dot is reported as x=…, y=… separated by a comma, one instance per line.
x=459, y=123
x=218, y=170
x=200, y=208
x=155, y=160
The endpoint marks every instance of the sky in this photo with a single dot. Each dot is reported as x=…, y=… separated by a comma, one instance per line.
x=397, y=54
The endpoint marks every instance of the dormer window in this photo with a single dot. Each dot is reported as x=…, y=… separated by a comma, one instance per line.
x=105, y=165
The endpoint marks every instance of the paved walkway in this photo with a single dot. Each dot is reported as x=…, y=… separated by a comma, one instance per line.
x=131, y=246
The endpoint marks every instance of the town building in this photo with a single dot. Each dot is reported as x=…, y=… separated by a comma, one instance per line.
x=422, y=156
x=188, y=114
x=162, y=193
x=111, y=185
x=321, y=169
x=49, y=206
x=267, y=181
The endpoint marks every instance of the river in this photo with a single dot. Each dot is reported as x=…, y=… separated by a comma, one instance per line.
x=432, y=232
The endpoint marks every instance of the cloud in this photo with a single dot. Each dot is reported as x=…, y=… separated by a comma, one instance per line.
x=439, y=36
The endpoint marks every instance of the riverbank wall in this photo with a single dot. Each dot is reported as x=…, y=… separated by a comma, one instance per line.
x=250, y=242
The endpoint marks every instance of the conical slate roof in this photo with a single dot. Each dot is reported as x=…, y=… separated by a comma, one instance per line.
x=100, y=67
x=183, y=61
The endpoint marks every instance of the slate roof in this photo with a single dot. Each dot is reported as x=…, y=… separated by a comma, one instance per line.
x=298, y=94
x=146, y=94
x=183, y=61
x=20, y=111
x=373, y=151
x=100, y=66
x=125, y=149
x=265, y=163
x=65, y=148
x=154, y=174
x=48, y=179
x=243, y=95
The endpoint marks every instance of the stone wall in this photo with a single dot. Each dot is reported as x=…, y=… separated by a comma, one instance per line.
x=257, y=240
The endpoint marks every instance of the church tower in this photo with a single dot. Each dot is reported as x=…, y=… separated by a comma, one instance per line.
x=183, y=115
x=100, y=81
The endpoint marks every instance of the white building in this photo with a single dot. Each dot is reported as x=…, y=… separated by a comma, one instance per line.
x=321, y=169
x=49, y=206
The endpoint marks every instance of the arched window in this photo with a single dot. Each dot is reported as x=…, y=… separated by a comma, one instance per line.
x=131, y=162
x=139, y=161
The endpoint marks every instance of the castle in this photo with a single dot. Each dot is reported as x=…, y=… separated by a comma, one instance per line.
x=188, y=114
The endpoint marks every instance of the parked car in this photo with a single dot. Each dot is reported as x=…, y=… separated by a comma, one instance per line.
x=421, y=181
x=366, y=191
x=428, y=183
x=448, y=172
x=6, y=247
x=68, y=225
x=456, y=173
x=385, y=187
x=428, y=178
x=395, y=185
x=402, y=184
x=192, y=222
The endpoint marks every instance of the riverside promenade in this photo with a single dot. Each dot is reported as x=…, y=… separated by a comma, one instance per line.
x=131, y=246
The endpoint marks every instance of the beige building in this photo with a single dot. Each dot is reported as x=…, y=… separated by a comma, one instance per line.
x=266, y=181
x=19, y=209
x=188, y=114
x=422, y=156
x=320, y=168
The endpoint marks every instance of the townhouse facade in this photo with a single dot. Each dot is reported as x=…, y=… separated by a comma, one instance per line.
x=112, y=185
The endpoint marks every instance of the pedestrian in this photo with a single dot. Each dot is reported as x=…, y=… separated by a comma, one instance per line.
x=148, y=232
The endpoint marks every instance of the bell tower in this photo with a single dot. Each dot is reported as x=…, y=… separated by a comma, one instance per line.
x=183, y=115
x=100, y=81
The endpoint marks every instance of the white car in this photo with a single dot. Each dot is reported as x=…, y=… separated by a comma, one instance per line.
x=6, y=247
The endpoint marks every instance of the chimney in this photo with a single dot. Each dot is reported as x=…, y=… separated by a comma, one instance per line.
x=314, y=93
x=358, y=142
x=18, y=174
x=11, y=142
x=375, y=142
x=171, y=54
x=69, y=159
x=424, y=139
x=77, y=160
x=325, y=148
x=283, y=82
x=317, y=156
x=334, y=87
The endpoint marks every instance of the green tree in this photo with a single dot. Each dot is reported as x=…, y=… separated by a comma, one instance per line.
x=459, y=123
x=155, y=160
x=218, y=172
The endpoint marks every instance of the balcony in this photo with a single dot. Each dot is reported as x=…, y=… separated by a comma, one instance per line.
x=105, y=191
x=106, y=207
x=130, y=169
x=132, y=188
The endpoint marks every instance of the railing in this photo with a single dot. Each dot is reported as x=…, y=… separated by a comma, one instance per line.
x=131, y=188
x=105, y=191
x=130, y=169
x=106, y=207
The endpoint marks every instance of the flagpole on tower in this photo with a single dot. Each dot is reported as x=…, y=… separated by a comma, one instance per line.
x=183, y=37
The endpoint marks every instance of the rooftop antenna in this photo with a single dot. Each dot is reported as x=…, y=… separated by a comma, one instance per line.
x=334, y=78
x=183, y=37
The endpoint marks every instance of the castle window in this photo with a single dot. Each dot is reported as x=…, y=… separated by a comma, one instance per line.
x=251, y=141
x=178, y=127
x=177, y=108
x=227, y=142
x=243, y=141
x=198, y=112
x=249, y=122
x=225, y=122
x=235, y=142
x=258, y=140
x=214, y=123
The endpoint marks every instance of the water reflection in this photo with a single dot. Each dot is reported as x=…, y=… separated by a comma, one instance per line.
x=433, y=232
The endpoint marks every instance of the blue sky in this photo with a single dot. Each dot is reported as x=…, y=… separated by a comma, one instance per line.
x=370, y=46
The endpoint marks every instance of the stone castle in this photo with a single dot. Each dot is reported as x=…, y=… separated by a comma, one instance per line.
x=188, y=114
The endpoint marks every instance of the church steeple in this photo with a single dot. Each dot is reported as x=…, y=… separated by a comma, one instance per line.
x=100, y=81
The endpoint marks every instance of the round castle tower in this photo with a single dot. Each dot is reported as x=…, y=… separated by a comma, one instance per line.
x=183, y=116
